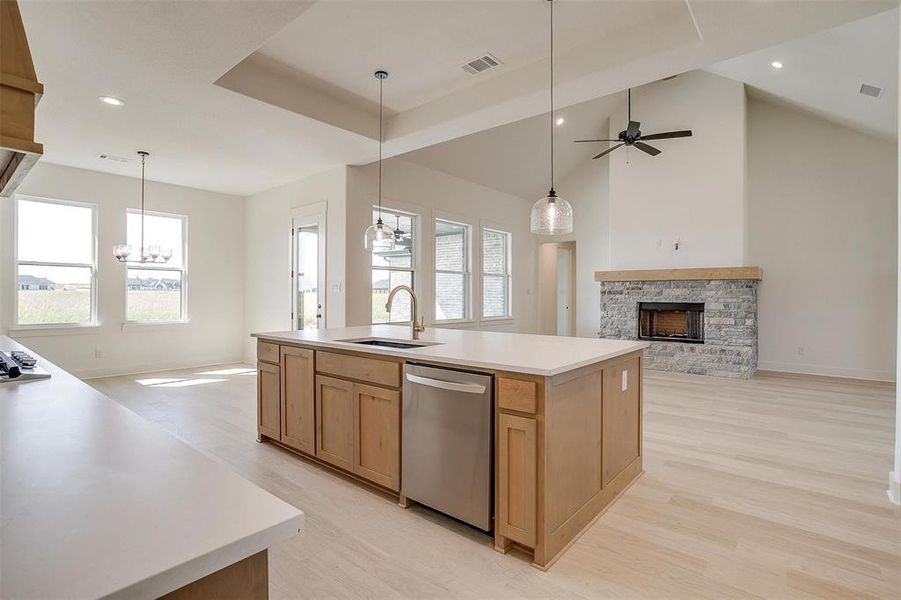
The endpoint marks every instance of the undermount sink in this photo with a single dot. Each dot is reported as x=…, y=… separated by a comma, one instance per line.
x=390, y=342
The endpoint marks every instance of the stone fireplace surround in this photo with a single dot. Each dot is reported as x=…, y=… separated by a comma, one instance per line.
x=729, y=295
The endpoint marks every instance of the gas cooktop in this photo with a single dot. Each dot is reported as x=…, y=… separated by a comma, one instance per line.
x=16, y=365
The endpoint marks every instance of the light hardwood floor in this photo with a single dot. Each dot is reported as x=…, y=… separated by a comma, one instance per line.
x=773, y=488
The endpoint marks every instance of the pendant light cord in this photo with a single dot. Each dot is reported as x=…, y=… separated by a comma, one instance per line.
x=381, y=84
x=552, y=95
x=143, y=158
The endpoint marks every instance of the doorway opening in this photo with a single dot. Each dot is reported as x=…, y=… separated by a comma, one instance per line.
x=557, y=288
x=308, y=268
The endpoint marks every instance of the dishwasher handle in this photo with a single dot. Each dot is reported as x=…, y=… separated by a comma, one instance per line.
x=468, y=388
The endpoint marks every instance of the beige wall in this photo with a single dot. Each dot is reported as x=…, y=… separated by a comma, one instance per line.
x=267, y=262
x=822, y=218
x=214, y=281
x=694, y=190
x=429, y=194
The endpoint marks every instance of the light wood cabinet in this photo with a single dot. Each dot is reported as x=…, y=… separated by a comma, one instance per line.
x=298, y=399
x=268, y=400
x=517, y=448
x=335, y=421
x=377, y=435
x=622, y=417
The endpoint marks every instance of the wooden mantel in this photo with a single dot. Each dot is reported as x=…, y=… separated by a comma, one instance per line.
x=703, y=273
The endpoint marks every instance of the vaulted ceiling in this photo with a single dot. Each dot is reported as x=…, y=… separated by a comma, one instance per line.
x=245, y=95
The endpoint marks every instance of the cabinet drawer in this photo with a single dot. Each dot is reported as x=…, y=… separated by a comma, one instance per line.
x=369, y=370
x=517, y=394
x=267, y=352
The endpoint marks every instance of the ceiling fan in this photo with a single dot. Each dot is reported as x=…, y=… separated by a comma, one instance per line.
x=632, y=136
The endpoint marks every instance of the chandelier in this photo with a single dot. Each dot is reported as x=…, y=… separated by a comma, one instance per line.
x=147, y=254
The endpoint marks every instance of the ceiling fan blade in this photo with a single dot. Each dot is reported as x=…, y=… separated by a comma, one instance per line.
x=607, y=151
x=668, y=135
x=632, y=130
x=645, y=148
x=584, y=141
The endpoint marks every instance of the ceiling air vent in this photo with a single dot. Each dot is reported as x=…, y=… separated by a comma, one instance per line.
x=481, y=64
x=870, y=90
x=119, y=159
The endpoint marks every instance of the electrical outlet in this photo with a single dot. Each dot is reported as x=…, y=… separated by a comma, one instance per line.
x=800, y=350
x=98, y=353
x=625, y=382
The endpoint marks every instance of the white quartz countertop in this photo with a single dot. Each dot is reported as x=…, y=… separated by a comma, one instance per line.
x=517, y=352
x=96, y=501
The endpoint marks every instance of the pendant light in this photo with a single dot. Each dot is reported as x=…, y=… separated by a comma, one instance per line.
x=150, y=254
x=379, y=237
x=552, y=214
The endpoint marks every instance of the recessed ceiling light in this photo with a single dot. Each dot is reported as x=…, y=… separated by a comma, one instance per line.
x=560, y=121
x=776, y=64
x=112, y=101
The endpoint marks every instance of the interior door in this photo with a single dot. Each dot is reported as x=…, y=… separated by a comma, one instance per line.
x=308, y=270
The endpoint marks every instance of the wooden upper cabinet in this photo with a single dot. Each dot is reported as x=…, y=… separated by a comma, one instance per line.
x=335, y=421
x=621, y=417
x=517, y=478
x=377, y=435
x=268, y=400
x=298, y=399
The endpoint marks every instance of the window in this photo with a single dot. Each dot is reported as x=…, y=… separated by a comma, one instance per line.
x=56, y=268
x=495, y=274
x=393, y=268
x=451, y=271
x=155, y=291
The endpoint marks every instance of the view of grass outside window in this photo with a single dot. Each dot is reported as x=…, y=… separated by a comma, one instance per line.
x=451, y=271
x=393, y=268
x=55, y=269
x=495, y=274
x=154, y=291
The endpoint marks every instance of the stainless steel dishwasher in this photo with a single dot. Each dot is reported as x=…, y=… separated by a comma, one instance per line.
x=447, y=442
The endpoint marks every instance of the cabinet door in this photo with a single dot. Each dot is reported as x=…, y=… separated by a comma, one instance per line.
x=621, y=417
x=335, y=421
x=516, y=448
x=268, y=409
x=298, y=399
x=377, y=435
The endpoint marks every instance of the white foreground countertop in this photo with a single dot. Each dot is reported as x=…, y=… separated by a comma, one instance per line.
x=517, y=352
x=96, y=501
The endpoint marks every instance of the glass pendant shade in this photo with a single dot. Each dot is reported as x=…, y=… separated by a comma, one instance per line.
x=378, y=238
x=552, y=215
x=121, y=252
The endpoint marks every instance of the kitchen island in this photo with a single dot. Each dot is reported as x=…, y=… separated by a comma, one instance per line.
x=97, y=502
x=566, y=417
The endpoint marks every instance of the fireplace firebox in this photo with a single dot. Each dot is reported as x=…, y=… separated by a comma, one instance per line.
x=671, y=322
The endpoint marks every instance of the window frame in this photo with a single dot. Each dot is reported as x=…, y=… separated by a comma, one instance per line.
x=508, y=274
x=466, y=272
x=38, y=263
x=414, y=258
x=183, y=299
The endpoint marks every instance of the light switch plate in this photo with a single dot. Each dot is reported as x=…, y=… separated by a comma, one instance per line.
x=625, y=384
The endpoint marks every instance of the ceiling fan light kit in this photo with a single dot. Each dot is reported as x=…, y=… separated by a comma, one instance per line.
x=379, y=237
x=632, y=136
x=552, y=215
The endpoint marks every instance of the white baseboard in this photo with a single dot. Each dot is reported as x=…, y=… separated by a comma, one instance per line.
x=894, y=487
x=118, y=371
x=807, y=369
